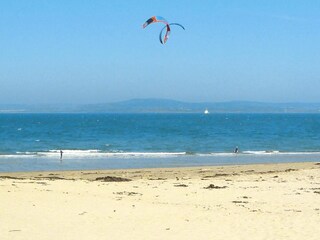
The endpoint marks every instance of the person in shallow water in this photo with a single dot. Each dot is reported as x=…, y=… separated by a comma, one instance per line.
x=61, y=154
x=236, y=150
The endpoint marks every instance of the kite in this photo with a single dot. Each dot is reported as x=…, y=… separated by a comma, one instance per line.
x=159, y=19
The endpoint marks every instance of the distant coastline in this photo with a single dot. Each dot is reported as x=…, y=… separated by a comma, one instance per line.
x=164, y=106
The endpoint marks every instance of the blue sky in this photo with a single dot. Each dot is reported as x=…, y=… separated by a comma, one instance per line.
x=80, y=51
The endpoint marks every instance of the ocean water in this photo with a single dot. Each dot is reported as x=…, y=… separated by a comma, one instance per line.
x=106, y=141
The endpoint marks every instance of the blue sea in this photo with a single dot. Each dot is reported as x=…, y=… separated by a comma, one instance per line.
x=32, y=142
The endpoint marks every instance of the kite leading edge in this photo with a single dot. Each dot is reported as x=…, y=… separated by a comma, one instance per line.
x=156, y=19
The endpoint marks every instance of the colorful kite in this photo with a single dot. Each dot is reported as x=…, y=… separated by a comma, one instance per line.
x=160, y=19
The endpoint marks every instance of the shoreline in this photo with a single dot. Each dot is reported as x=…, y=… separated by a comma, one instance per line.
x=169, y=173
x=96, y=164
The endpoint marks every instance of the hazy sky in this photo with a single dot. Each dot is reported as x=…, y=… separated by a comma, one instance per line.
x=77, y=51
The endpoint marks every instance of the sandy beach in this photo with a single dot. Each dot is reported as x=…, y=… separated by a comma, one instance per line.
x=265, y=201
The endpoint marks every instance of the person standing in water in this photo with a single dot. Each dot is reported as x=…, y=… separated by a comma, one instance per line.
x=61, y=155
x=236, y=150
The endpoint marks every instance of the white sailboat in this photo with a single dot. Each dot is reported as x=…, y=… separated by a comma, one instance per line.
x=206, y=111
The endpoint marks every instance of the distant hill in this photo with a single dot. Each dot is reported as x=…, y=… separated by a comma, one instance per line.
x=166, y=106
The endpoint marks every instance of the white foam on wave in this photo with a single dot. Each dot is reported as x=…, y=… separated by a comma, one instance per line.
x=19, y=155
x=229, y=154
x=261, y=152
x=221, y=154
x=299, y=153
x=68, y=151
x=27, y=153
x=98, y=153
x=279, y=153
x=243, y=153
x=94, y=153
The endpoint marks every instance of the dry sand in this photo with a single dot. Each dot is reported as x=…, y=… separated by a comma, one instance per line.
x=269, y=201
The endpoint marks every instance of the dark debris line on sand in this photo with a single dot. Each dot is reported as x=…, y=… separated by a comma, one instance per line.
x=128, y=193
x=52, y=178
x=112, y=179
x=9, y=177
x=217, y=175
x=157, y=179
x=212, y=186
x=181, y=185
x=240, y=201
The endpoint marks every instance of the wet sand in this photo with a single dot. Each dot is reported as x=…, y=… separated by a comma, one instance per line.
x=263, y=201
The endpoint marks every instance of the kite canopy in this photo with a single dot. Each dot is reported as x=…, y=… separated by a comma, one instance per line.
x=155, y=19
x=160, y=19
